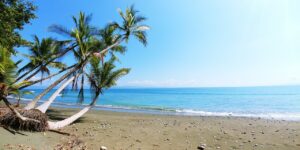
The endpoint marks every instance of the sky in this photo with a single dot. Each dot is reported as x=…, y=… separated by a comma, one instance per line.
x=196, y=43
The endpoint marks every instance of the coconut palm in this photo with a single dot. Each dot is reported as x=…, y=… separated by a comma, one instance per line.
x=107, y=37
x=84, y=33
x=41, y=52
x=84, y=44
x=132, y=25
x=101, y=77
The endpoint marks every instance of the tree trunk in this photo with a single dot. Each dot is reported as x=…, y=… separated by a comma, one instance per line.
x=68, y=121
x=46, y=78
x=37, y=98
x=59, y=55
x=36, y=72
x=109, y=47
x=44, y=107
x=32, y=104
x=16, y=112
x=25, y=74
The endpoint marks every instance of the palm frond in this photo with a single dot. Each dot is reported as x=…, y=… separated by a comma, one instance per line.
x=114, y=76
x=28, y=66
x=141, y=36
x=59, y=29
x=57, y=65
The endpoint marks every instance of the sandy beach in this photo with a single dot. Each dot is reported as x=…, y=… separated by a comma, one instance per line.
x=117, y=131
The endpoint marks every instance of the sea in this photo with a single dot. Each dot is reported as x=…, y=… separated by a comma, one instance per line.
x=272, y=102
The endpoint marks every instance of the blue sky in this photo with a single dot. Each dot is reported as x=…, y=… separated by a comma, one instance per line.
x=197, y=43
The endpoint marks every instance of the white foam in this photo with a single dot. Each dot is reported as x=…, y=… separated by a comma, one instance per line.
x=276, y=116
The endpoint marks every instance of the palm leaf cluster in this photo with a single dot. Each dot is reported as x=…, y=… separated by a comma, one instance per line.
x=104, y=76
x=41, y=54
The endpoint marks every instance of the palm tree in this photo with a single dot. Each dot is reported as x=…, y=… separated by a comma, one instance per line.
x=7, y=78
x=84, y=37
x=101, y=77
x=86, y=43
x=40, y=54
x=132, y=25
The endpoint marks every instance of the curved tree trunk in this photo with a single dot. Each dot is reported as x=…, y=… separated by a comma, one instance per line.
x=16, y=112
x=37, y=98
x=32, y=104
x=36, y=72
x=110, y=47
x=44, y=107
x=68, y=121
x=46, y=78
x=25, y=74
x=59, y=55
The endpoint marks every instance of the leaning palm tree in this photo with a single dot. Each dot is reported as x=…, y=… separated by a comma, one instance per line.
x=82, y=37
x=84, y=32
x=106, y=35
x=86, y=43
x=101, y=77
x=41, y=52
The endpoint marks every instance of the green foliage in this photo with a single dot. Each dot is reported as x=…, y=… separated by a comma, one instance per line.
x=104, y=76
x=41, y=52
x=7, y=67
x=8, y=74
x=14, y=15
x=88, y=40
x=82, y=37
x=109, y=37
x=132, y=25
x=88, y=44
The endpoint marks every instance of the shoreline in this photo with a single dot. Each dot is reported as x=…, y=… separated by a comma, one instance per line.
x=121, y=130
x=176, y=112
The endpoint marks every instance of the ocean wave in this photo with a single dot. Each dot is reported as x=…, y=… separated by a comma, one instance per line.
x=186, y=112
x=276, y=116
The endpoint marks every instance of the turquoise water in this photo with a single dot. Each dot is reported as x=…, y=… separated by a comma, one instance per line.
x=282, y=102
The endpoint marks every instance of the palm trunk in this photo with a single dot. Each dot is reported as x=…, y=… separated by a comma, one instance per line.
x=16, y=112
x=25, y=74
x=36, y=72
x=68, y=121
x=37, y=98
x=32, y=104
x=44, y=107
x=109, y=47
x=46, y=78
x=102, y=52
x=59, y=55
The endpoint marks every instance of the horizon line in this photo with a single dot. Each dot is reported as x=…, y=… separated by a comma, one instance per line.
x=146, y=87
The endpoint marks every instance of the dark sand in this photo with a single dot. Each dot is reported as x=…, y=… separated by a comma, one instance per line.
x=146, y=132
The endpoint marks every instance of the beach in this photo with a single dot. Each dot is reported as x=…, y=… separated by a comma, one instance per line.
x=128, y=75
x=121, y=130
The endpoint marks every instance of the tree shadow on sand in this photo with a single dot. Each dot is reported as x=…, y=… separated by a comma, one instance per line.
x=57, y=115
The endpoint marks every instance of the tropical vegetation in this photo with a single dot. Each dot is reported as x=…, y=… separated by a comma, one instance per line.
x=94, y=49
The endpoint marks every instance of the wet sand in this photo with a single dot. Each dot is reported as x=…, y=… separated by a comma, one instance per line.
x=117, y=131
